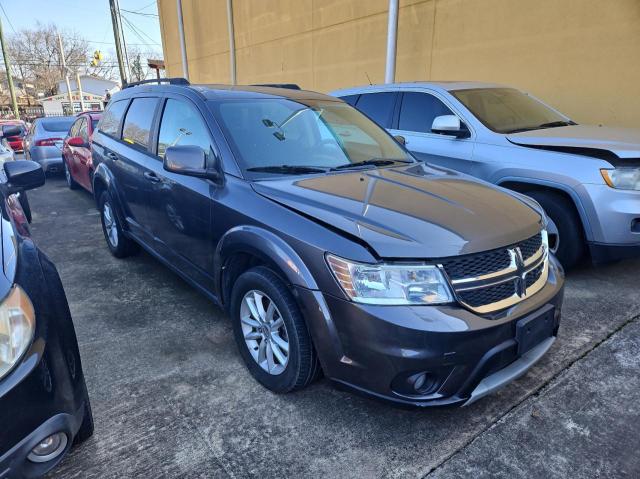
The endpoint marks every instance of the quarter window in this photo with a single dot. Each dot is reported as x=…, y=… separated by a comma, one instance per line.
x=350, y=99
x=378, y=107
x=137, y=123
x=111, y=118
x=182, y=125
x=418, y=111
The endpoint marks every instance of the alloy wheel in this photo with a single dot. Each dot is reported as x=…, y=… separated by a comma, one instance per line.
x=67, y=173
x=264, y=331
x=110, y=226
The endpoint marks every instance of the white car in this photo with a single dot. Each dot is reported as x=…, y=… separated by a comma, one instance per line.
x=587, y=178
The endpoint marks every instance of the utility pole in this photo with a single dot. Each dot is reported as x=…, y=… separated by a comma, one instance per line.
x=392, y=38
x=116, y=36
x=7, y=65
x=79, y=87
x=66, y=73
x=183, y=44
x=124, y=40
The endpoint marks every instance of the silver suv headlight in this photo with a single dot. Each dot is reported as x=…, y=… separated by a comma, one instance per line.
x=391, y=284
x=622, y=178
x=17, y=325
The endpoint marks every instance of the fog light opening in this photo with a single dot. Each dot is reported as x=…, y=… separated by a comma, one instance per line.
x=49, y=448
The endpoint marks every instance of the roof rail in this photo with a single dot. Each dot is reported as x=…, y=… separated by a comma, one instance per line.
x=290, y=86
x=171, y=81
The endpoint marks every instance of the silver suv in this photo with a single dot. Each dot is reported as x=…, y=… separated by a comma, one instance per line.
x=587, y=178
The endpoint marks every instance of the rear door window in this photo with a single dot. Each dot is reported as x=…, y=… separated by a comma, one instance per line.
x=378, y=107
x=137, y=122
x=418, y=111
x=111, y=118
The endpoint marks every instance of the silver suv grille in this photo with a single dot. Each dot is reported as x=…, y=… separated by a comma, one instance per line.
x=495, y=280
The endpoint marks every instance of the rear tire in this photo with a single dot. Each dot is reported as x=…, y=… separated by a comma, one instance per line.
x=120, y=245
x=71, y=183
x=302, y=366
x=570, y=246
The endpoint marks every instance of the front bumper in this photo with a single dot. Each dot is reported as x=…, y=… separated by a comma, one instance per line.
x=614, y=219
x=375, y=349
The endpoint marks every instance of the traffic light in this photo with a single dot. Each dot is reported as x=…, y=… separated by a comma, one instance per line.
x=97, y=58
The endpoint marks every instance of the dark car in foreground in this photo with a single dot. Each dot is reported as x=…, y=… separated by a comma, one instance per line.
x=332, y=248
x=43, y=142
x=44, y=405
x=76, y=151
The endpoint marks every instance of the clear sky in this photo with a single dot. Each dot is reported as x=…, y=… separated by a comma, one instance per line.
x=90, y=18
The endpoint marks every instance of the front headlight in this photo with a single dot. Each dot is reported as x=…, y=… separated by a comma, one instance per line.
x=390, y=284
x=17, y=325
x=622, y=178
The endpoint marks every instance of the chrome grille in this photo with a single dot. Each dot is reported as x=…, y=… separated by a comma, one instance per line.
x=498, y=279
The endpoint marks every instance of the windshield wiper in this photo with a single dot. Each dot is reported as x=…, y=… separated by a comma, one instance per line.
x=370, y=162
x=288, y=169
x=553, y=124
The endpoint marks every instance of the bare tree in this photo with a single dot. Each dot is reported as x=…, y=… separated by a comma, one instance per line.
x=35, y=55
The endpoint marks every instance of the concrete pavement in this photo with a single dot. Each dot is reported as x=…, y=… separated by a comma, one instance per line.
x=171, y=397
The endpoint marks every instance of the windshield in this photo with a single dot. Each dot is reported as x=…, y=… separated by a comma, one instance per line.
x=507, y=110
x=281, y=136
x=59, y=124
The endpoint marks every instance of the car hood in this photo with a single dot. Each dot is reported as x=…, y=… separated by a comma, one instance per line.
x=417, y=211
x=616, y=145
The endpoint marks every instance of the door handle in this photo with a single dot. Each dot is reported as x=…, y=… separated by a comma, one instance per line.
x=151, y=176
x=112, y=156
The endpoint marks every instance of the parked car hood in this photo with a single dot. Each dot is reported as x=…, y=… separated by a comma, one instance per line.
x=617, y=145
x=416, y=211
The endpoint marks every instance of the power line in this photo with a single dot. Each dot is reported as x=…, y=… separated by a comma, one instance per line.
x=138, y=31
x=146, y=6
x=7, y=17
x=140, y=13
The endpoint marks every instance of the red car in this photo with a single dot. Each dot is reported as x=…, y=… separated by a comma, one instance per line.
x=16, y=141
x=76, y=151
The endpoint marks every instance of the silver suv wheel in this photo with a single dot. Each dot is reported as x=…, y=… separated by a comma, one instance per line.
x=264, y=331
x=110, y=224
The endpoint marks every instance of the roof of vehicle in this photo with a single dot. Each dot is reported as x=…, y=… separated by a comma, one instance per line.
x=434, y=85
x=224, y=92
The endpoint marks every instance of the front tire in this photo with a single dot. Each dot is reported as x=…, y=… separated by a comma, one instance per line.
x=270, y=332
x=71, y=183
x=566, y=239
x=119, y=245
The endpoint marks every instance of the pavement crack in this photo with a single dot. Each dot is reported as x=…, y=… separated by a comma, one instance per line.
x=533, y=394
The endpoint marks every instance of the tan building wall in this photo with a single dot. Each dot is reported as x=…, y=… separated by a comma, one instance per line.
x=581, y=56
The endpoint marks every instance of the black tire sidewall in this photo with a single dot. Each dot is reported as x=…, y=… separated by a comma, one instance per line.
x=71, y=183
x=264, y=280
x=121, y=250
x=564, y=215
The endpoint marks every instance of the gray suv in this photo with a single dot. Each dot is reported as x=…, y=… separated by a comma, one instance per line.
x=587, y=178
x=331, y=247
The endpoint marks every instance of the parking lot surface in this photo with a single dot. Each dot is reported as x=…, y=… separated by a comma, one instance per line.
x=171, y=397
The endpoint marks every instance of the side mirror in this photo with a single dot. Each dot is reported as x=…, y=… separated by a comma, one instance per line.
x=400, y=139
x=189, y=160
x=449, y=125
x=23, y=175
x=11, y=130
x=77, y=141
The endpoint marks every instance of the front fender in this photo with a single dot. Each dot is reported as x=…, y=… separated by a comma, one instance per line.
x=266, y=245
x=575, y=196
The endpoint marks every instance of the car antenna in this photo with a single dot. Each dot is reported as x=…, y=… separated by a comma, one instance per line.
x=368, y=79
